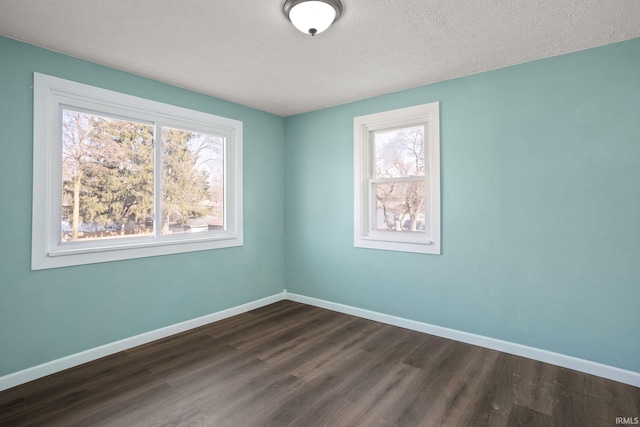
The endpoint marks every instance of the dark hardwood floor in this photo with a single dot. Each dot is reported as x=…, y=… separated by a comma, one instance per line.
x=290, y=364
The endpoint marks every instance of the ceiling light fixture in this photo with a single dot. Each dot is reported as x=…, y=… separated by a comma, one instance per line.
x=312, y=16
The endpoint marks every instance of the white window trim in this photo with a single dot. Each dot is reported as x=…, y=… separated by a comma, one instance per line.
x=364, y=235
x=50, y=94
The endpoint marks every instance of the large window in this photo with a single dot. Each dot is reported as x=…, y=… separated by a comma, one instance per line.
x=397, y=180
x=118, y=177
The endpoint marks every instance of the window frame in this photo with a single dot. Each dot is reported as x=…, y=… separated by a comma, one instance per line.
x=365, y=236
x=51, y=96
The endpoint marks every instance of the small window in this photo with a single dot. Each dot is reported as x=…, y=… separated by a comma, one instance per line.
x=397, y=180
x=119, y=177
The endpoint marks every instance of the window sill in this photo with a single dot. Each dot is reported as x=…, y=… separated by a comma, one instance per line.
x=386, y=245
x=86, y=255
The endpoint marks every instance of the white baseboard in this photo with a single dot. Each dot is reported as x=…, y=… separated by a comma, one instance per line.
x=586, y=366
x=570, y=362
x=72, y=360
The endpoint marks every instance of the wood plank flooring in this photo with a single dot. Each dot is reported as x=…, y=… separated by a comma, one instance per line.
x=289, y=364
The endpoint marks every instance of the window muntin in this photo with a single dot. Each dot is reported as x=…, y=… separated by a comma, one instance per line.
x=397, y=187
x=119, y=177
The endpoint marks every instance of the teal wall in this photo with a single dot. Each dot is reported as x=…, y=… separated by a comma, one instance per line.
x=540, y=202
x=540, y=206
x=48, y=314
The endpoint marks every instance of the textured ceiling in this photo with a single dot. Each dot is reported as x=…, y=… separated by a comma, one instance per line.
x=247, y=52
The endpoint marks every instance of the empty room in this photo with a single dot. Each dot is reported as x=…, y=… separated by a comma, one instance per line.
x=319, y=213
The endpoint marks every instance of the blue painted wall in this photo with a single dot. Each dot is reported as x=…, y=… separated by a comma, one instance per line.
x=540, y=203
x=45, y=315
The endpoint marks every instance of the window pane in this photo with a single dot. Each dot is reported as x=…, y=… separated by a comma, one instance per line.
x=399, y=153
x=107, y=177
x=400, y=206
x=192, y=182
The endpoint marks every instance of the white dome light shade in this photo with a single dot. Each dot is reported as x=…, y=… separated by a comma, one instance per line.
x=312, y=17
